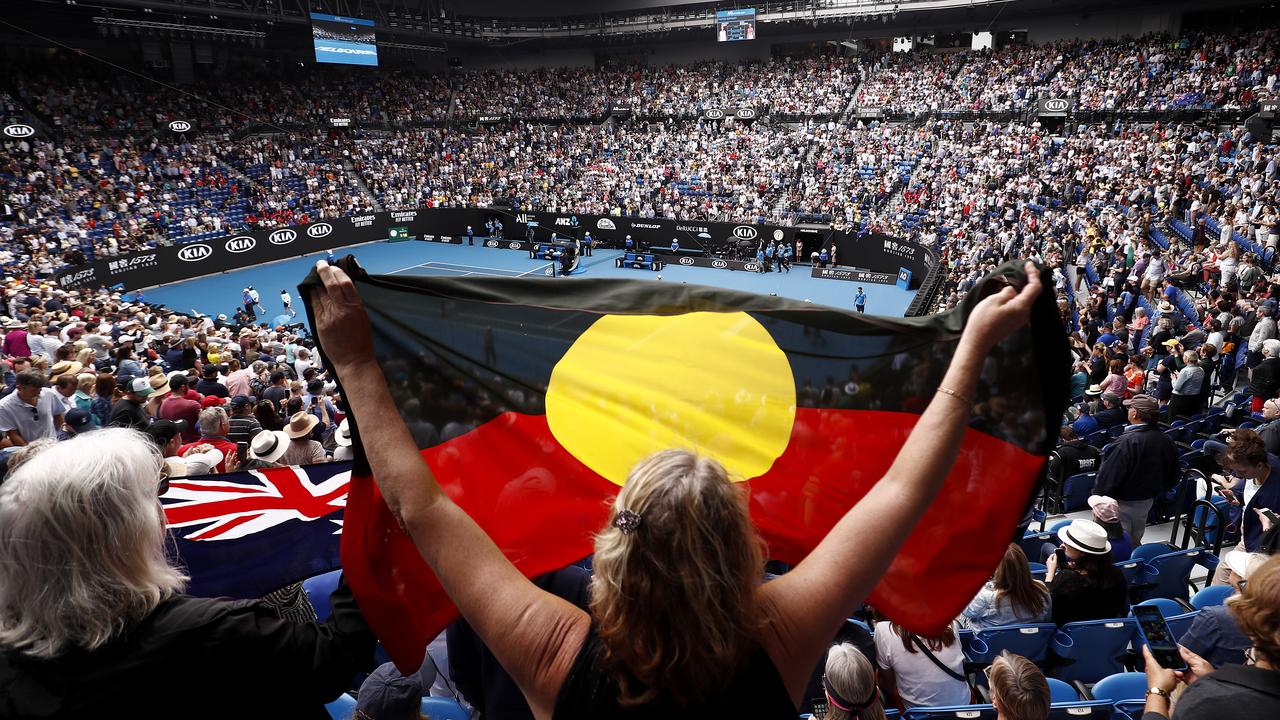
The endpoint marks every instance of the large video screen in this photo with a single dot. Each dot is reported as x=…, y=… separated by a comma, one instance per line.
x=343, y=40
x=732, y=25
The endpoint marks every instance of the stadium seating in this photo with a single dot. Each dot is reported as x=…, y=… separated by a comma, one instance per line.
x=1030, y=641
x=1062, y=692
x=437, y=708
x=1211, y=596
x=318, y=590
x=344, y=708
x=1120, y=687
x=1083, y=710
x=1091, y=650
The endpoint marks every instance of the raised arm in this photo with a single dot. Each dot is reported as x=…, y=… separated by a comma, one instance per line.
x=805, y=607
x=534, y=634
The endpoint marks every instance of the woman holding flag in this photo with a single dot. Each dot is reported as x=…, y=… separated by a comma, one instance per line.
x=679, y=623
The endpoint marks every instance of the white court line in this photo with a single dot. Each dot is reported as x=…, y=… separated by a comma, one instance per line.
x=539, y=270
x=470, y=268
x=393, y=272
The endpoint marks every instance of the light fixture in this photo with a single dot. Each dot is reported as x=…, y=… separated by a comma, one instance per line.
x=152, y=27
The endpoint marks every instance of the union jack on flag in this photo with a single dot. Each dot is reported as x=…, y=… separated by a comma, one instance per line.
x=245, y=534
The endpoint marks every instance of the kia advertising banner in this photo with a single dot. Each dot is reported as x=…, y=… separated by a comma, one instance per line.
x=700, y=242
x=1053, y=107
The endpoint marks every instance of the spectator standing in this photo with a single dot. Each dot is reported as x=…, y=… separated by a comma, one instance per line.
x=1138, y=466
x=128, y=412
x=180, y=407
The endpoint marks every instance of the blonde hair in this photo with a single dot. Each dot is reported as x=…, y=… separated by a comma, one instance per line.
x=1019, y=687
x=1257, y=609
x=82, y=554
x=674, y=600
x=850, y=675
x=86, y=357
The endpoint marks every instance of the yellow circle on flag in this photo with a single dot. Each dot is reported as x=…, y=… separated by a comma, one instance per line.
x=713, y=383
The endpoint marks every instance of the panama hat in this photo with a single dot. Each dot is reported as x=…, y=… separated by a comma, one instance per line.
x=301, y=424
x=269, y=445
x=1086, y=536
x=343, y=436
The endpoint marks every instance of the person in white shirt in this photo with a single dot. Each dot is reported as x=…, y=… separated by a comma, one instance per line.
x=287, y=300
x=920, y=672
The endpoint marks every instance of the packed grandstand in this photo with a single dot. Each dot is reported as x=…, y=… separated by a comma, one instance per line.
x=1149, y=198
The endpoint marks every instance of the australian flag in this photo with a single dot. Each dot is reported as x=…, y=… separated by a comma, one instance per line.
x=245, y=534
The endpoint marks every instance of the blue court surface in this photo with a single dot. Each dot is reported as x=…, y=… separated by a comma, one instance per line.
x=221, y=293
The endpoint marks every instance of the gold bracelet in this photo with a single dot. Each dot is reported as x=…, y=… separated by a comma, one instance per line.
x=948, y=391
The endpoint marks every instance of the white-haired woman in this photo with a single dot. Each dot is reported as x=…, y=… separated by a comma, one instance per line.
x=93, y=620
x=1187, y=386
x=849, y=682
x=709, y=639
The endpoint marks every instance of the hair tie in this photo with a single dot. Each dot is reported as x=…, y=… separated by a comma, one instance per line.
x=626, y=521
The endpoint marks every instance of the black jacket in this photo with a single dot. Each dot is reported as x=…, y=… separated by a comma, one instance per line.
x=1108, y=418
x=199, y=658
x=1073, y=458
x=1076, y=597
x=1235, y=691
x=1139, y=465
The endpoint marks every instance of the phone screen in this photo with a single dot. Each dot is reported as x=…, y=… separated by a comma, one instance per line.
x=1156, y=634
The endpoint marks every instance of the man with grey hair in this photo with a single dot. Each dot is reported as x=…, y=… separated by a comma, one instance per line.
x=214, y=426
x=31, y=412
x=1138, y=466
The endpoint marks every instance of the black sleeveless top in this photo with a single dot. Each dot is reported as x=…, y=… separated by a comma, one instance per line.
x=756, y=691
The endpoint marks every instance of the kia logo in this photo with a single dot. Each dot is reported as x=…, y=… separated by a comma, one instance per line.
x=282, y=237
x=751, y=267
x=19, y=130
x=319, y=230
x=514, y=245
x=686, y=261
x=193, y=253
x=716, y=263
x=179, y=126
x=239, y=244
x=491, y=243
x=714, y=114
x=745, y=232
x=1056, y=105
x=605, y=224
x=746, y=114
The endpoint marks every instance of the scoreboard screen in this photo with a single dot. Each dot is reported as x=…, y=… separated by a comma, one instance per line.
x=344, y=40
x=733, y=25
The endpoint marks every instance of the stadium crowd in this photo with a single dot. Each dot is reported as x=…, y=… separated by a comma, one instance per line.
x=1160, y=237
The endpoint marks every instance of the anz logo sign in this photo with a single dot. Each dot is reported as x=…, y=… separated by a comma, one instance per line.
x=686, y=261
x=319, y=230
x=195, y=253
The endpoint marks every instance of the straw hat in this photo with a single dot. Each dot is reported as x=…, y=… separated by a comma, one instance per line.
x=301, y=424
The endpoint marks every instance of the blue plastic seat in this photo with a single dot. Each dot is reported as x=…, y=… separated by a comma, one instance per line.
x=343, y=708
x=1121, y=686
x=318, y=590
x=438, y=708
x=1211, y=596
x=1061, y=692
x=1147, y=551
x=1030, y=641
x=1173, y=572
x=1168, y=607
x=1091, y=650
x=951, y=712
x=1076, y=490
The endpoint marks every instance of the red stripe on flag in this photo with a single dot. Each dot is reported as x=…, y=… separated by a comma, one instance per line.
x=542, y=507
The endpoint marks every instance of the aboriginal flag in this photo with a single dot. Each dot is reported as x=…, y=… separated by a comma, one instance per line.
x=532, y=399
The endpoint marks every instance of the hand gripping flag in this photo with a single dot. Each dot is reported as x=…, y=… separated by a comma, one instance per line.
x=531, y=400
x=246, y=534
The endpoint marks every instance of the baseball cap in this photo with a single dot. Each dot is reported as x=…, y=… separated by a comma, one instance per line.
x=240, y=401
x=141, y=387
x=211, y=401
x=79, y=420
x=1243, y=563
x=162, y=431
